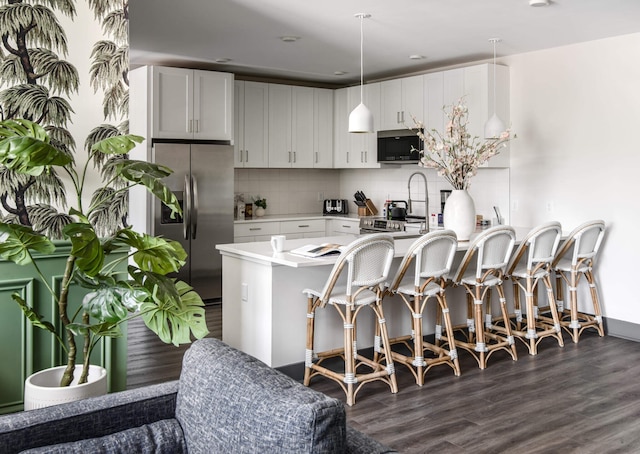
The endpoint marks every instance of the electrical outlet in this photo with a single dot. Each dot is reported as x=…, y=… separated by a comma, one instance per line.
x=550, y=206
x=515, y=205
x=244, y=292
x=320, y=196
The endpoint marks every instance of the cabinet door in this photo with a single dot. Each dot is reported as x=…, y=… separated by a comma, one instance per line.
x=390, y=104
x=434, y=102
x=453, y=87
x=279, y=137
x=302, y=127
x=340, y=129
x=212, y=105
x=412, y=100
x=172, y=103
x=238, y=127
x=323, y=128
x=255, y=132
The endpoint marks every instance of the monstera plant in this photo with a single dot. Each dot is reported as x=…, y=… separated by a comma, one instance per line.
x=170, y=308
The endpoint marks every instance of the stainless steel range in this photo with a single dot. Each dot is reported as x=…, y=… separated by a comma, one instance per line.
x=378, y=225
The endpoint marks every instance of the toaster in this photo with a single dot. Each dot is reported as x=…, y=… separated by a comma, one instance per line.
x=335, y=206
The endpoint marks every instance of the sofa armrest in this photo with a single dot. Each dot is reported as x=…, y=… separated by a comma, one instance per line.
x=88, y=418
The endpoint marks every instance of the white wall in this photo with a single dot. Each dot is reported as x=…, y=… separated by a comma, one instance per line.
x=576, y=111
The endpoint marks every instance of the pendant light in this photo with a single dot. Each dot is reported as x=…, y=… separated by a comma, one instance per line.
x=494, y=126
x=361, y=119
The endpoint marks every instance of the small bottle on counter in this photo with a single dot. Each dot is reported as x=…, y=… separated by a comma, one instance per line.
x=385, y=209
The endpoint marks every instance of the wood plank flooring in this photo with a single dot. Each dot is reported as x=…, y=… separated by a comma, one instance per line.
x=582, y=398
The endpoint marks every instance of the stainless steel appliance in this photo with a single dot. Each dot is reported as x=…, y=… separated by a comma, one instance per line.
x=203, y=182
x=379, y=225
x=335, y=206
x=398, y=146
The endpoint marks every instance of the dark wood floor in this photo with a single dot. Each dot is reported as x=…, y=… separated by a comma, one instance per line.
x=583, y=398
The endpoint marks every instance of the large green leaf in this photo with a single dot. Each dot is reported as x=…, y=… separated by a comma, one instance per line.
x=155, y=254
x=175, y=324
x=162, y=289
x=114, y=304
x=118, y=144
x=85, y=245
x=35, y=318
x=16, y=242
x=150, y=175
x=25, y=148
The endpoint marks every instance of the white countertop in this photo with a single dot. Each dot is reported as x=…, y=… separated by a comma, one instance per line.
x=293, y=217
x=261, y=250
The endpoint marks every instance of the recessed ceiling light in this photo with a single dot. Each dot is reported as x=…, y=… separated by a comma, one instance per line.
x=416, y=57
x=339, y=73
x=289, y=39
x=222, y=60
x=538, y=2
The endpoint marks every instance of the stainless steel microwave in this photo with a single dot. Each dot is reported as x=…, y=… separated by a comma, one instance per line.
x=398, y=146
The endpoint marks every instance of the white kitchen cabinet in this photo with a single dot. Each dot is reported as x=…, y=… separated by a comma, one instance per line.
x=192, y=104
x=251, y=124
x=304, y=228
x=343, y=226
x=400, y=100
x=474, y=84
x=291, y=126
x=355, y=150
x=255, y=231
x=323, y=128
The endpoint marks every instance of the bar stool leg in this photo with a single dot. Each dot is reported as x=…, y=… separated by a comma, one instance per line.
x=349, y=354
x=517, y=310
x=573, y=298
x=505, y=316
x=310, y=332
x=453, y=353
x=387, y=347
x=418, y=350
x=554, y=311
x=481, y=346
x=596, y=302
x=531, y=335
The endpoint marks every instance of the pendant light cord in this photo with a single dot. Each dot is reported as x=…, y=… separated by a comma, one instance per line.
x=494, y=76
x=362, y=59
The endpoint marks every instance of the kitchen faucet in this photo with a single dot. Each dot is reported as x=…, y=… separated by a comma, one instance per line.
x=425, y=227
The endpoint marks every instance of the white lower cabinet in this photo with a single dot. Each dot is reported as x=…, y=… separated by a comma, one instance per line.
x=262, y=230
x=337, y=227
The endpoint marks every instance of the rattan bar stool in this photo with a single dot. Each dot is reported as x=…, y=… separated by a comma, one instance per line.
x=422, y=275
x=482, y=269
x=366, y=263
x=574, y=259
x=529, y=265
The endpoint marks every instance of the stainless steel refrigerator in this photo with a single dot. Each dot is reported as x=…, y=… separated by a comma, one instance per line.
x=203, y=182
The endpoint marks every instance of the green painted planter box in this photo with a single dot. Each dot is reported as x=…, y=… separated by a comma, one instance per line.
x=25, y=349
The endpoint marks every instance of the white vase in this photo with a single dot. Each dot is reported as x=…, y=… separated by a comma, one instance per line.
x=259, y=212
x=460, y=214
x=43, y=389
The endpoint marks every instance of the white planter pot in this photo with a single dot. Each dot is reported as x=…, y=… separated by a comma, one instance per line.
x=43, y=389
x=260, y=212
x=460, y=214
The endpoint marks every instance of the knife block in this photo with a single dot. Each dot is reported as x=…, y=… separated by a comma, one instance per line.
x=368, y=210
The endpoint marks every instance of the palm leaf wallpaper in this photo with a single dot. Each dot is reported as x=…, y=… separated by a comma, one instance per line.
x=78, y=90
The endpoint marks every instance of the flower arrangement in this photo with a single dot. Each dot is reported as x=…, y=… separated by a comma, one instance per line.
x=455, y=154
x=260, y=202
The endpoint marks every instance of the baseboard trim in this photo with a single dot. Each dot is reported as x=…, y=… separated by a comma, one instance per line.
x=621, y=328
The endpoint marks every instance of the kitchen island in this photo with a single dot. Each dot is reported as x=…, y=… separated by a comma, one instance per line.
x=264, y=309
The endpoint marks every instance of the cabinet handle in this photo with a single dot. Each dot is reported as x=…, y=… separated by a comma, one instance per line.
x=316, y=157
x=347, y=157
x=294, y=157
x=241, y=155
x=289, y=157
x=397, y=117
x=197, y=126
x=254, y=228
x=303, y=226
x=402, y=116
x=189, y=125
x=246, y=152
x=361, y=156
x=346, y=226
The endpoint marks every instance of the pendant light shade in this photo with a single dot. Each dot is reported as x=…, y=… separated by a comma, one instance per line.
x=494, y=126
x=361, y=118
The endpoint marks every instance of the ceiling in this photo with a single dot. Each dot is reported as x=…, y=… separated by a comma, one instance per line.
x=195, y=33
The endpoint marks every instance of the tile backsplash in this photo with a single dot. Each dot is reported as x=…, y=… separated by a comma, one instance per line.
x=301, y=191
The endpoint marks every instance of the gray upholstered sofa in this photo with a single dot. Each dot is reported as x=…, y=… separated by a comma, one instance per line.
x=224, y=402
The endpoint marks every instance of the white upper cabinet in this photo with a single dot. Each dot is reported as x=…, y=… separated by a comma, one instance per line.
x=291, y=126
x=192, y=104
x=474, y=84
x=355, y=150
x=400, y=100
x=251, y=124
x=323, y=128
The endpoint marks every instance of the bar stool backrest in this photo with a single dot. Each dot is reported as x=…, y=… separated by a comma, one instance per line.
x=433, y=254
x=540, y=246
x=582, y=243
x=491, y=249
x=367, y=259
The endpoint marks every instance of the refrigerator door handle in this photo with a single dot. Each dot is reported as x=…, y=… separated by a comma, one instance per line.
x=186, y=218
x=194, y=223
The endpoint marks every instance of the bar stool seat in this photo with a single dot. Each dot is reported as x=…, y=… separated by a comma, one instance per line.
x=575, y=259
x=431, y=257
x=356, y=281
x=481, y=270
x=530, y=265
